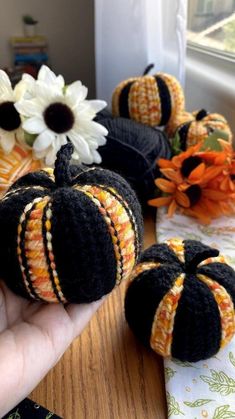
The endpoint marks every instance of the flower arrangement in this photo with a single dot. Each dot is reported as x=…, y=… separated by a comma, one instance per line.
x=198, y=182
x=45, y=114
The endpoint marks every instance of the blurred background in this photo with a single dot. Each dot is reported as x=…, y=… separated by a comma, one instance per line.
x=66, y=27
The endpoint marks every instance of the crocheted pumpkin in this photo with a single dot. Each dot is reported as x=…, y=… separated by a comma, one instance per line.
x=14, y=165
x=151, y=100
x=195, y=127
x=68, y=236
x=181, y=300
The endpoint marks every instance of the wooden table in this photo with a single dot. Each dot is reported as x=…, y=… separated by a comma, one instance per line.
x=106, y=373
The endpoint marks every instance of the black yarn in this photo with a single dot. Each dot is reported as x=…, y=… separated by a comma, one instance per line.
x=83, y=250
x=132, y=150
x=34, y=179
x=221, y=273
x=160, y=252
x=82, y=174
x=10, y=212
x=123, y=100
x=144, y=295
x=62, y=171
x=148, y=69
x=165, y=100
x=105, y=113
x=196, y=252
x=201, y=114
x=197, y=324
x=183, y=133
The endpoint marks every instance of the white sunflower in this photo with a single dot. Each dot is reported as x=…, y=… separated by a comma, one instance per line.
x=57, y=113
x=10, y=121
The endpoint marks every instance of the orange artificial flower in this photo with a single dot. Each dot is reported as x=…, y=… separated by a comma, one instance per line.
x=198, y=183
x=226, y=159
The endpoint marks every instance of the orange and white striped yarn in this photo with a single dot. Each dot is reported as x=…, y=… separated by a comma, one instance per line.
x=35, y=252
x=14, y=165
x=226, y=308
x=163, y=323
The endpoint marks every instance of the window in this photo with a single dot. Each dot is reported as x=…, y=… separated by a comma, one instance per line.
x=204, y=6
x=211, y=24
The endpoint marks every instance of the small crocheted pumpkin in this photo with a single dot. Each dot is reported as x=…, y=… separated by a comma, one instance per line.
x=151, y=100
x=68, y=236
x=14, y=165
x=195, y=127
x=180, y=300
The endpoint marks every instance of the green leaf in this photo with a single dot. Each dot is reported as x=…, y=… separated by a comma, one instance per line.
x=173, y=405
x=49, y=415
x=29, y=138
x=232, y=358
x=223, y=135
x=64, y=89
x=183, y=364
x=220, y=382
x=176, y=144
x=169, y=373
x=212, y=143
x=198, y=402
x=222, y=412
x=14, y=415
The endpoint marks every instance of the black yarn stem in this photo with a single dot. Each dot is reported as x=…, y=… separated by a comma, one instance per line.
x=201, y=114
x=148, y=69
x=62, y=168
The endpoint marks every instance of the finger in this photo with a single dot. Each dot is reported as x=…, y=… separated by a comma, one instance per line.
x=13, y=308
x=80, y=314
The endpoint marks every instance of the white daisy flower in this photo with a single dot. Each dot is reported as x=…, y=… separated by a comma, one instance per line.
x=10, y=121
x=56, y=113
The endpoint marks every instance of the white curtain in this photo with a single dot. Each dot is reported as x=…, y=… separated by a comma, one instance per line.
x=130, y=34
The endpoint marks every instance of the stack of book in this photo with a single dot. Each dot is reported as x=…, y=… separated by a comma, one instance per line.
x=29, y=53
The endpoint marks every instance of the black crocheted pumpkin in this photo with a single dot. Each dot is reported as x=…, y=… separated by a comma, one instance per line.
x=180, y=300
x=68, y=236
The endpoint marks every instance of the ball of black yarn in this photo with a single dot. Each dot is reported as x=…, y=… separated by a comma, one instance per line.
x=197, y=319
x=78, y=222
x=132, y=150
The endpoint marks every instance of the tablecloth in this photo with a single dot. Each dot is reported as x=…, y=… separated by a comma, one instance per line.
x=204, y=389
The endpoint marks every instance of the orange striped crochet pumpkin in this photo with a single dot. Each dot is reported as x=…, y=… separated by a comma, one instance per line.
x=195, y=127
x=151, y=100
x=180, y=300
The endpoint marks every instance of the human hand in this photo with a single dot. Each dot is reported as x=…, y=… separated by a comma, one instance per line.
x=33, y=337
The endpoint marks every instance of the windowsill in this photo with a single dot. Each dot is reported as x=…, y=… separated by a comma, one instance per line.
x=204, y=14
x=211, y=52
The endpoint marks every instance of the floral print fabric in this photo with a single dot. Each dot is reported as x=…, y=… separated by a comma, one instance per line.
x=204, y=389
x=28, y=409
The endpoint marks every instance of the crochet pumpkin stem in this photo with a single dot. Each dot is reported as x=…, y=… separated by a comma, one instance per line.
x=148, y=69
x=62, y=168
